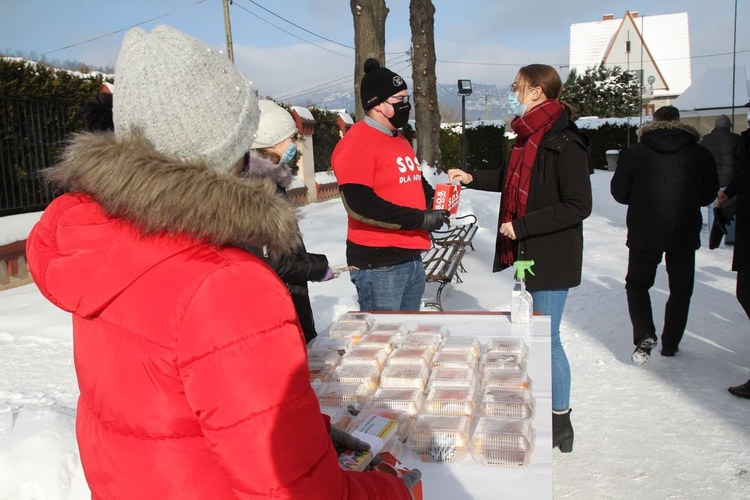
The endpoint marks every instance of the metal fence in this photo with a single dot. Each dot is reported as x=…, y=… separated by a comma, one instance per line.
x=31, y=134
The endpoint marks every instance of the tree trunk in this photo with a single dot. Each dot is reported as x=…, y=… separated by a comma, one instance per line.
x=369, y=41
x=426, y=110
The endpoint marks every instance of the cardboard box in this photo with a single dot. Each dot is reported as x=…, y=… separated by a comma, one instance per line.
x=375, y=430
x=446, y=197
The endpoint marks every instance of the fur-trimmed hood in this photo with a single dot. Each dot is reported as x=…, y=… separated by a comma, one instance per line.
x=668, y=136
x=159, y=193
x=261, y=166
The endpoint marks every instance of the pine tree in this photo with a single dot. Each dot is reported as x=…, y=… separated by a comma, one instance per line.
x=603, y=92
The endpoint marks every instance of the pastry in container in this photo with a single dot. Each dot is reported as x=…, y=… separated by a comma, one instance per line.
x=502, y=442
x=342, y=345
x=508, y=346
x=392, y=328
x=450, y=401
x=323, y=356
x=462, y=344
x=504, y=379
x=452, y=377
x=407, y=356
x=404, y=377
x=430, y=328
x=381, y=340
x=320, y=372
x=454, y=359
x=353, y=396
x=420, y=341
x=357, y=317
x=351, y=330
x=507, y=403
x=440, y=438
x=340, y=415
x=502, y=361
x=408, y=401
x=357, y=374
x=362, y=355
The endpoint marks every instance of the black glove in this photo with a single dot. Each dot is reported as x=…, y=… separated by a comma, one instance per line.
x=434, y=219
x=342, y=439
x=411, y=478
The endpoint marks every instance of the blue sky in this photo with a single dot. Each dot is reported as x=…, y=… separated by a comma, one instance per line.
x=482, y=40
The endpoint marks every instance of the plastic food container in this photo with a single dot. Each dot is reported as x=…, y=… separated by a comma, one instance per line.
x=341, y=345
x=380, y=340
x=392, y=328
x=357, y=317
x=320, y=372
x=508, y=346
x=428, y=328
x=462, y=344
x=355, y=396
x=502, y=361
x=504, y=379
x=420, y=341
x=407, y=356
x=404, y=377
x=452, y=377
x=340, y=416
x=362, y=355
x=322, y=356
x=502, y=442
x=507, y=403
x=357, y=374
x=354, y=331
x=449, y=401
x=408, y=401
x=454, y=359
x=439, y=438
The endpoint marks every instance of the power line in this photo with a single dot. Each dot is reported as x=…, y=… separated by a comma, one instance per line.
x=125, y=29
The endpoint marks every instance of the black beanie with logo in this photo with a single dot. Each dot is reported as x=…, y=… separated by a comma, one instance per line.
x=378, y=84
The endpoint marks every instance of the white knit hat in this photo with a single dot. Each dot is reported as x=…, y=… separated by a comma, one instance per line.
x=276, y=124
x=187, y=97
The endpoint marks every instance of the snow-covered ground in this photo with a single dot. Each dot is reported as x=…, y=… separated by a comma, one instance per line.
x=666, y=430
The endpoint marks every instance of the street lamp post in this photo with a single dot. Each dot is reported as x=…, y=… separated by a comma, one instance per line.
x=464, y=89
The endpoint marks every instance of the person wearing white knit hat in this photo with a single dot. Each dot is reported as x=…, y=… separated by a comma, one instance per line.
x=274, y=147
x=189, y=356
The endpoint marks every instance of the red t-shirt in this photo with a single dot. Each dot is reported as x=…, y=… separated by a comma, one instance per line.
x=388, y=165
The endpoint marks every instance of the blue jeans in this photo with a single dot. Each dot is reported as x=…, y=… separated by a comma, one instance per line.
x=551, y=303
x=390, y=288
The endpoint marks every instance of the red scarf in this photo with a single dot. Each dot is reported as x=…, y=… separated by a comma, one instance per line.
x=530, y=129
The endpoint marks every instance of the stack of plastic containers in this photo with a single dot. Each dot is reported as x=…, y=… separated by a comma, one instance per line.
x=451, y=397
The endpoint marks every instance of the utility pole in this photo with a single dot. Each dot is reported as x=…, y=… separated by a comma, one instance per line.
x=486, y=106
x=228, y=30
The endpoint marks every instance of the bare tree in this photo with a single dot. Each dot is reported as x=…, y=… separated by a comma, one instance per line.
x=369, y=41
x=426, y=110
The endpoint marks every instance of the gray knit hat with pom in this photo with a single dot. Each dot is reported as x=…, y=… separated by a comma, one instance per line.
x=187, y=97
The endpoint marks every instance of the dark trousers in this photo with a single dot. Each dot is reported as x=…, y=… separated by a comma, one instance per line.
x=642, y=265
x=743, y=290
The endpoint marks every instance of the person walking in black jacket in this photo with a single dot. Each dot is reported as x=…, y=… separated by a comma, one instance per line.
x=546, y=196
x=665, y=179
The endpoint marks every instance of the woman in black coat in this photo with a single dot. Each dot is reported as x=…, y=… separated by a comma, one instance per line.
x=546, y=196
x=273, y=149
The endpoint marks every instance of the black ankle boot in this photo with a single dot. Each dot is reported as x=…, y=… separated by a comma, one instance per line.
x=562, y=432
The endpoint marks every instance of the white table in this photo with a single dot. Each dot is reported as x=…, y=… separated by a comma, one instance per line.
x=468, y=479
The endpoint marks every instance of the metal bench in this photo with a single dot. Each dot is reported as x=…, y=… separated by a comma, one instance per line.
x=441, y=264
x=460, y=234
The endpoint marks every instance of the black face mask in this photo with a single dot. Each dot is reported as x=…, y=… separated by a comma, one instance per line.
x=400, y=114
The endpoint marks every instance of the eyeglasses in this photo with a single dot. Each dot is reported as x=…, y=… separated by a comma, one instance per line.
x=515, y=87
x=400, y=99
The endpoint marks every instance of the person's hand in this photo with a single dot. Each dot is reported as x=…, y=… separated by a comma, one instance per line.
x=342, y=439
x=411, y=478
x=329, y=275
x=460, y=176
x=506, y=229
x=720, y=198
x=434, y=219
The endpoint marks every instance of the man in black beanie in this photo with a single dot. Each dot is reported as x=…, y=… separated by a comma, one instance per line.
x=386, y=198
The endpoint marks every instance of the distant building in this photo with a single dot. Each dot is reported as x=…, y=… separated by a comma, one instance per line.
x=655, y=48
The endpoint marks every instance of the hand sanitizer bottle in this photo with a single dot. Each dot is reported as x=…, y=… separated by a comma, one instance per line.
x=521, y=302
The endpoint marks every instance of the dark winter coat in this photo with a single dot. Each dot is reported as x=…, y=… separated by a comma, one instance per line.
x=665, y=179
x=727, y=149
x=294, y=269
x=551, y=232
x=740, y=187
x=190, y=360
